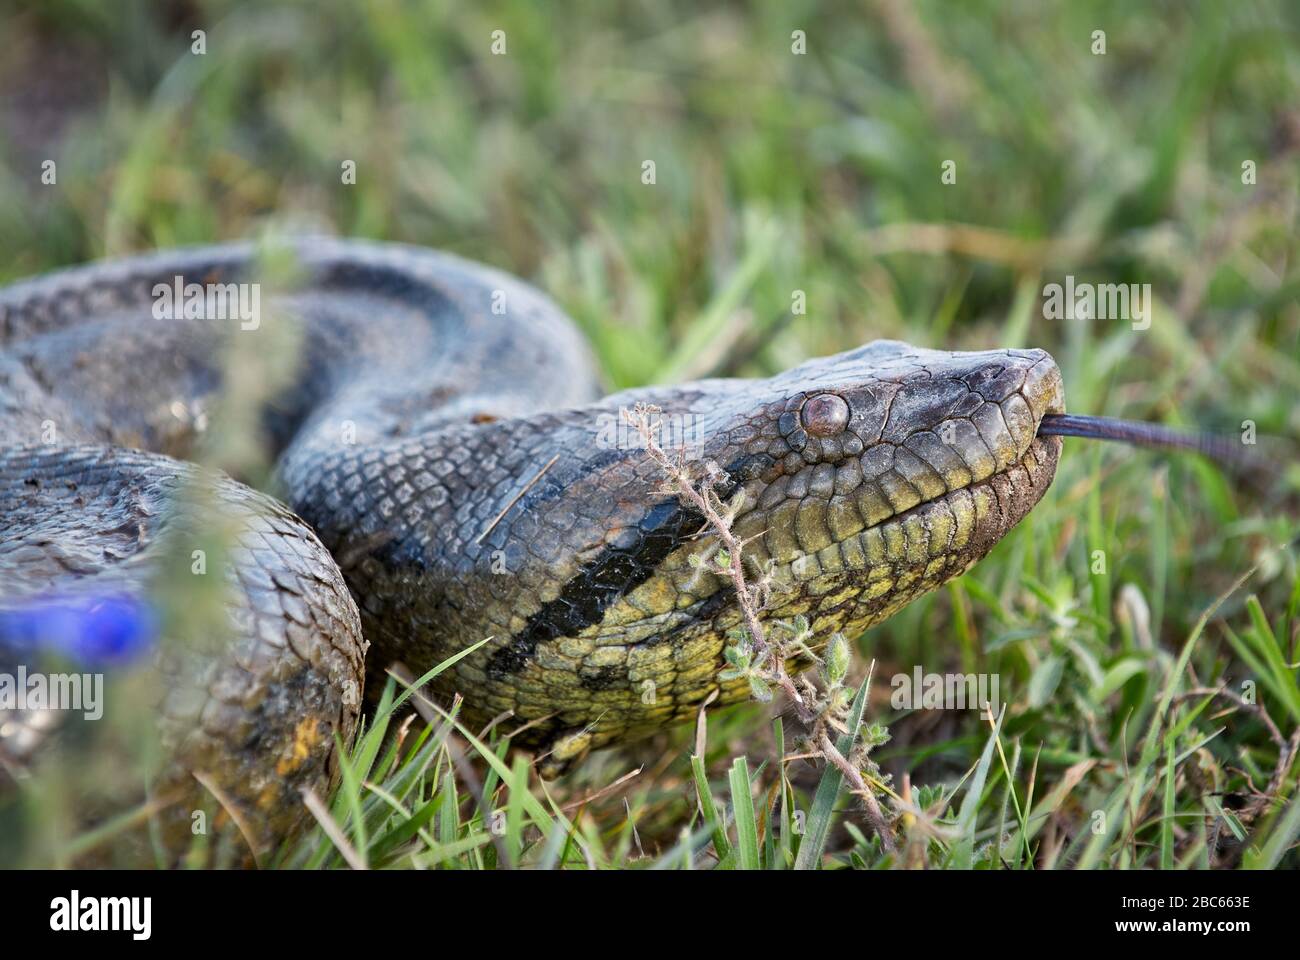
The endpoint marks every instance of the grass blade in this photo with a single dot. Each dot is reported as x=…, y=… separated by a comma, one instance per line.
x=964, y=851
x=721, y=845
x=818, y=824
x=742, y=803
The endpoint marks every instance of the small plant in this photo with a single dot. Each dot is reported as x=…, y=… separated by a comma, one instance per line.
x=760, y=657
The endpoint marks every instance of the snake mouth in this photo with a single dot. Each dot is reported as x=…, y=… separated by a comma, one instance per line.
x=939, y=537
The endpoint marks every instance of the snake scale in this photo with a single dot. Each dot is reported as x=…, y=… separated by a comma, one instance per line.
x=447, y=472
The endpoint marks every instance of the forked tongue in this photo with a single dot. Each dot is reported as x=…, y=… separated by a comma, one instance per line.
x=1225, y=449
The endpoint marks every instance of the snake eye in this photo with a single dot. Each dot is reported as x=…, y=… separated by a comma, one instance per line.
x=825, y=415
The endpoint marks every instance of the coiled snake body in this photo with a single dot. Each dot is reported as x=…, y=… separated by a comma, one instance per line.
x=451, y=474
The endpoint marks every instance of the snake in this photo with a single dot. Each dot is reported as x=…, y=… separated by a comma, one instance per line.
x=452, y=482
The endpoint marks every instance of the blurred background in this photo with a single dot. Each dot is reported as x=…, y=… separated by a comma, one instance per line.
x=796, y=147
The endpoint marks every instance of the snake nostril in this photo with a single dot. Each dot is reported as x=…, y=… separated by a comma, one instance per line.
x=825, y=415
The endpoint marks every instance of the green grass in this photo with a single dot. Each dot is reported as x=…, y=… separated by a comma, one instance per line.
x=778, y=173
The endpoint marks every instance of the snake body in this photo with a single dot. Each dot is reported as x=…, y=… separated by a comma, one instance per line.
x=449, y=472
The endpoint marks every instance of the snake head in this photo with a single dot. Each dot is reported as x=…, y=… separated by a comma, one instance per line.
x=877, y=474
x=856, y=483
